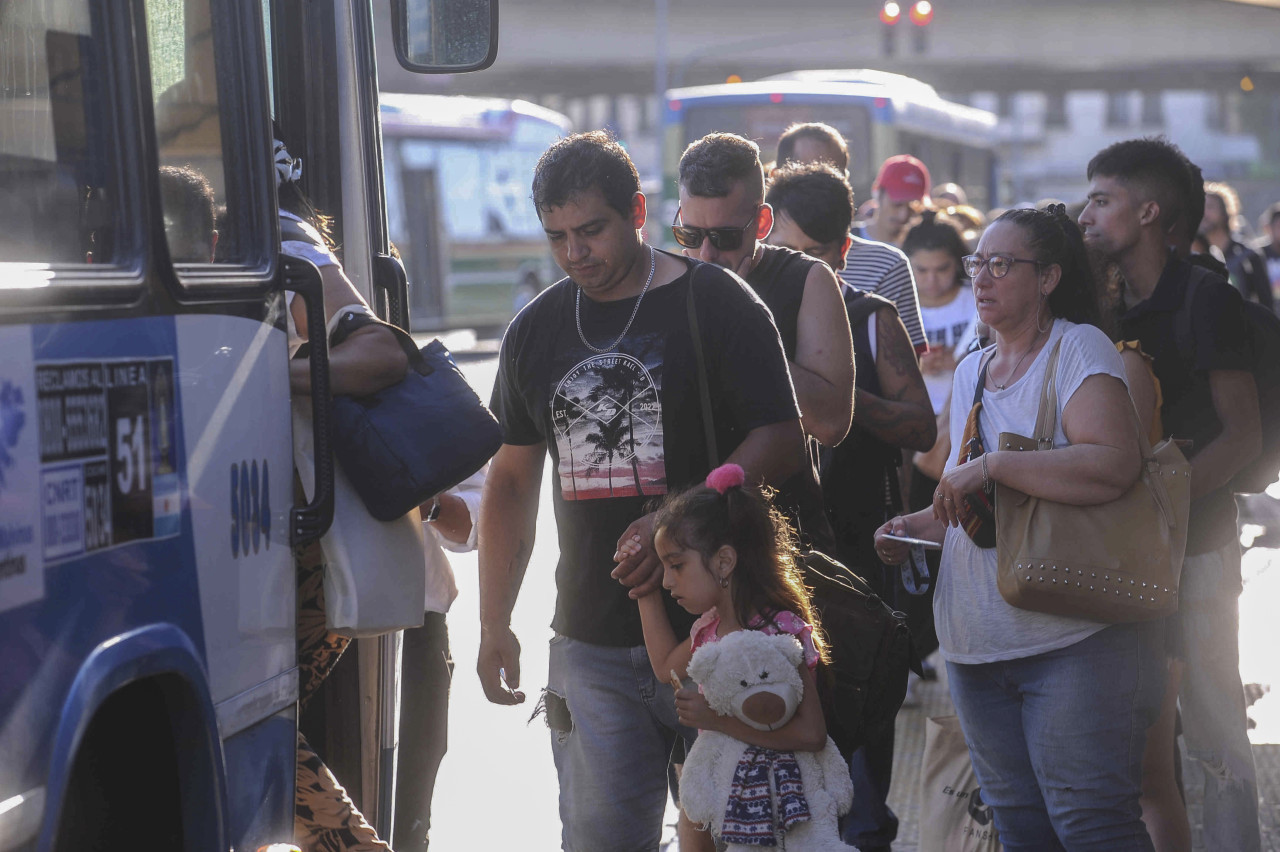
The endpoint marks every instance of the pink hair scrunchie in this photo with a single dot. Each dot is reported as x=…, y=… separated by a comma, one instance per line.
x=726, y=476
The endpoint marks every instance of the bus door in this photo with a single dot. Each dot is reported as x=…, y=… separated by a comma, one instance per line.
x=148, y=685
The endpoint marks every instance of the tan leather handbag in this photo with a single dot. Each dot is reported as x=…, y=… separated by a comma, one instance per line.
x=1112, y=562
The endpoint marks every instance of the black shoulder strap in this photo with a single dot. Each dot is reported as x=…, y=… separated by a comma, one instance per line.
x=704, y=388
x=1182, y=334
x=982, y=381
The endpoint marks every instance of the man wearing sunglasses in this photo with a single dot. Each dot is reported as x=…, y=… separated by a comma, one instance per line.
x=599, y=372
x=723, y=219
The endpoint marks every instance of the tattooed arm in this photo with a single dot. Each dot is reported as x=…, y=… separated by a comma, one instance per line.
x=508, y=518
x=903, y=416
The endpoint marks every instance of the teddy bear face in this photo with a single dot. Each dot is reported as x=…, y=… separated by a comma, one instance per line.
x=751, y=675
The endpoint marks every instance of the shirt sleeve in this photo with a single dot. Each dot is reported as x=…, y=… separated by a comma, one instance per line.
x=790, y=623
x=899, y=286
x=1219, y=328
x=750, y=379
x=1085, y=351
x=468, y=491
x=507, y=403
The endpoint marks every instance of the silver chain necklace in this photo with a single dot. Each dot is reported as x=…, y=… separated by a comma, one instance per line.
x=577, y=310
x=1012, y=372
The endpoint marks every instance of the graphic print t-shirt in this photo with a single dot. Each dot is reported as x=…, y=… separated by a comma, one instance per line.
x=625, y=427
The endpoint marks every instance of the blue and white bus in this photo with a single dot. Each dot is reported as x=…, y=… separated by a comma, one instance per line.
x=879, y=115
x=148, y=683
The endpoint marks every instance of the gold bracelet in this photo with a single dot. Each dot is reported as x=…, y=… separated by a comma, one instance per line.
x=986, y=478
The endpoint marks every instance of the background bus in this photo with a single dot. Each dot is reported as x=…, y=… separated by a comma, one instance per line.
x=879, y=114
x=457, y=185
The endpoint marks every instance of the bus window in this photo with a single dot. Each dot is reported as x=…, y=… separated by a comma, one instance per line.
x=205, y=217
x=59, y=195
x=764, y=122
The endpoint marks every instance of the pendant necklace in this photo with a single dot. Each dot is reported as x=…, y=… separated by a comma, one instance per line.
x=577, y=310
x=1015, y=366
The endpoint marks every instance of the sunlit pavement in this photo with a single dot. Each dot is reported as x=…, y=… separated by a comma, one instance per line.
x=498, y=782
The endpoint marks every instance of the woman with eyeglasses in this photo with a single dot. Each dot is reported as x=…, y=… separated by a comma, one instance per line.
x=1054, y=709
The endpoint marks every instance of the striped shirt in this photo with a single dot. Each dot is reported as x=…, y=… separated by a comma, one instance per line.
x=882, y=269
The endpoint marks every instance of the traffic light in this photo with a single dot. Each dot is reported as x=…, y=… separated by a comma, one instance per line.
x=921, y=15
x=890, y=14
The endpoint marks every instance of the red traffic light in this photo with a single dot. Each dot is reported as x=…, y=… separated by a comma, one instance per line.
x=890, y=13
x=921, y=12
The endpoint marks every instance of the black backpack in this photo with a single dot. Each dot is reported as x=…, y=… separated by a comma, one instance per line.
x=1264, y=331
x=863, y=687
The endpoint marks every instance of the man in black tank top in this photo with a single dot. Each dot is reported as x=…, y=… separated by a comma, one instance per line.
x=722, y=220
x=813, y=206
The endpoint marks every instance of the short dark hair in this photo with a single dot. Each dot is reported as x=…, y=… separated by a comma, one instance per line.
x=819, y=132
x=816, y=197
x=1153, y=165
x=937, y=232
x=710, y=167
x=582, y=162
x=188, y=202
x=1055, y=238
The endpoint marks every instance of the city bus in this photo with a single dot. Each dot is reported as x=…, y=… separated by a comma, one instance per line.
x=878, y=113
x=457, y=183
x=148, y=678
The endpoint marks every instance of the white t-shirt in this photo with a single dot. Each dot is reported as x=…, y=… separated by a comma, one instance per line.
x=974, y=623
x=949, y=326
x=313, y=251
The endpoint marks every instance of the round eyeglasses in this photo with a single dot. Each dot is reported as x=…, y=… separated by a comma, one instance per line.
x=998, y=264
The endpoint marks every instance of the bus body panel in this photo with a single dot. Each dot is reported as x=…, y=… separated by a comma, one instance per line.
x=116, y=436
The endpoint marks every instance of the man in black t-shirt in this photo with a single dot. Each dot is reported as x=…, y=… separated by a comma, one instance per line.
x=599, y=371
x=723, y=219
x=1139, y=194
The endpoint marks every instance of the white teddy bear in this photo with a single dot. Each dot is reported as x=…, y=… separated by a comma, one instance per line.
x=754, y=676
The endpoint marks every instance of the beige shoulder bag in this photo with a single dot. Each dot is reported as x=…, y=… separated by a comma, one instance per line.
x=1112, y=562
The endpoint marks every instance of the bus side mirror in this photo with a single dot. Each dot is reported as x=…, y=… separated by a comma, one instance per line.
x=445, y=36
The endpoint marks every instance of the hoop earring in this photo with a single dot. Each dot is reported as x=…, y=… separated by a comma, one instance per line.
x=724, y=582
x=1039, y=308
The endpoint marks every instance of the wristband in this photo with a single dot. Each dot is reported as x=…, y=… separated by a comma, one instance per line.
x=986, y=477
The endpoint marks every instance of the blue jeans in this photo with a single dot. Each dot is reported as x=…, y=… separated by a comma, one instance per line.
x=1214, y=725
x=1057, y=739
x=614, y=750
x=871, y=823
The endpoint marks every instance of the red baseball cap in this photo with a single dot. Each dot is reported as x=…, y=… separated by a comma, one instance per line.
x=904, y=178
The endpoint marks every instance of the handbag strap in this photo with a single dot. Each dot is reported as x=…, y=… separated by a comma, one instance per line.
x=1047, y=417
x=704, y=387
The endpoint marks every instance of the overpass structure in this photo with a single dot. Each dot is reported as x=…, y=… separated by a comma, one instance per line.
x=1063, y=74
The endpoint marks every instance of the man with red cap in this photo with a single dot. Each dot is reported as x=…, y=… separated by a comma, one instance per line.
x=900, y=189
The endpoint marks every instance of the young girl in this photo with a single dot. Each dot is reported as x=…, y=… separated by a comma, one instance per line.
x=729, y=556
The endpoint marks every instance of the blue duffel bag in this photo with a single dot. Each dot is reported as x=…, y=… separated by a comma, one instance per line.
x=406, y=443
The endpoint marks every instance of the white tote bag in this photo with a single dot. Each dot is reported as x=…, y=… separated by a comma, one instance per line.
x=375, y=573
x=953, y=817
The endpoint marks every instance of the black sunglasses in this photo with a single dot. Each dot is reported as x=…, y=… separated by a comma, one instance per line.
x=723, y=239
